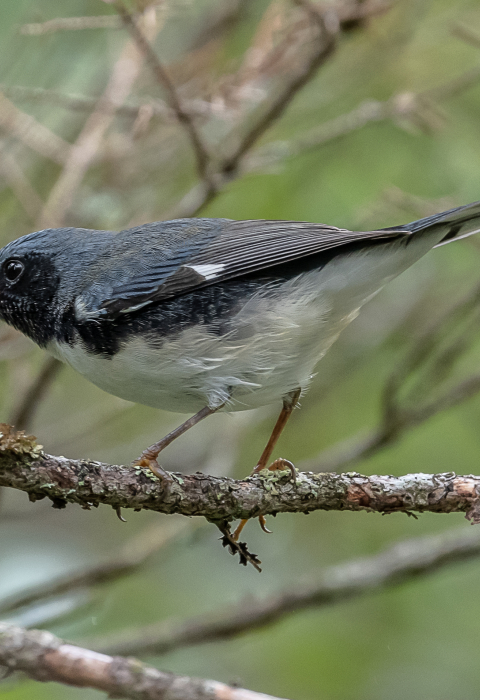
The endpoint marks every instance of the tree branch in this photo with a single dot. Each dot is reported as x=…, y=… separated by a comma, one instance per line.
x=325, y=47
x=24, y=466
x=328, y=23
x=83, y=152
x=36, y=391
x=62, y=24
x=201, y=154
x=403, y=562
x=32, y=133
x=44, y=657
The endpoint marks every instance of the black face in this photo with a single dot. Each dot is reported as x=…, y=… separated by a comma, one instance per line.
x=28, y=286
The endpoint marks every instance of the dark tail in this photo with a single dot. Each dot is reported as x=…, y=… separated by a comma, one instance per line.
x=457, y=223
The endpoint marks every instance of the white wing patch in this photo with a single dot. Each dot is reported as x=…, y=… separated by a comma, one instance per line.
x=209, y=272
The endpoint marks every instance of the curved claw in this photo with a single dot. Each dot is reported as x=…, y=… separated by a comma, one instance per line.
x=263, y=524
x=118, y=511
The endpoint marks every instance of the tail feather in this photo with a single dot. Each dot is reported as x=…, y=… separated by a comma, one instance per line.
x=457, y=223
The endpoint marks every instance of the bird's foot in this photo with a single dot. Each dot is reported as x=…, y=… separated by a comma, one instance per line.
x=278, y=465
x=281, y=464
x=263, y=524
x=149, y=459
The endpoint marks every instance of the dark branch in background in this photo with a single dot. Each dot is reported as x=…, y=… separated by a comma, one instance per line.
x=44, y=657
x=161, y=75
x=23, y=414
x=419, y=388
x=32, y=133
x=326, y=45
x=401, y=563
x=229, y=168
x=23, y=466
x=405, y=109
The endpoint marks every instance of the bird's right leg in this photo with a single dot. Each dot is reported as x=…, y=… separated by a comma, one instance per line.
x=289, y=403
x=148, y=458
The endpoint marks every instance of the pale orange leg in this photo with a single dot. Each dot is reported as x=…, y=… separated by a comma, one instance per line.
x=148, y=458
x=289, y=403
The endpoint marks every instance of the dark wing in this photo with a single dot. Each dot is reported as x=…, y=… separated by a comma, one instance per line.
x=238, y=248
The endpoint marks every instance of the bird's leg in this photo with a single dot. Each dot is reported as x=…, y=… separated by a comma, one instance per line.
x=148, y=458
x=289, y=403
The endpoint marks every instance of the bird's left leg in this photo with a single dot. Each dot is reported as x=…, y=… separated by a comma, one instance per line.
x=289, y=403
x=148, y=458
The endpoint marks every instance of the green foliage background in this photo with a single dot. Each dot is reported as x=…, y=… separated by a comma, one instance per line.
x=419, y=640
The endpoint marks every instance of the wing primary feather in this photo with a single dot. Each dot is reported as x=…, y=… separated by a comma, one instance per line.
x=239, y=248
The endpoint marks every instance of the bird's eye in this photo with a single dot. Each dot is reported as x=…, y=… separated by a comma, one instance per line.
x=13, y=270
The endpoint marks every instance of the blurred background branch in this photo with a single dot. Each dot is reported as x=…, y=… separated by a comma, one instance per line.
x=420, y=386
x=44, y=657
x=403, y=562
x=35, y=393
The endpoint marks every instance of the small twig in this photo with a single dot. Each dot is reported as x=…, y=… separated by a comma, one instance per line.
x=85, y=149
x=353, y=450
x=223, y=17
x=61, y=24
x=184, y=117
x=84, y=103
x=44, y=657
x=22, y=416
x=467, y=34
x=398, y=564
x=369, y=111
x=36, y=136
x=26, y=194
x=326, y=46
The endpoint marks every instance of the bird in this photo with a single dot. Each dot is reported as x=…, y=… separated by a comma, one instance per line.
x=201, y=315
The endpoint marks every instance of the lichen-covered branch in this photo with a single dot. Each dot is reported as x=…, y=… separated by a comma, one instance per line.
x=44, y=657
x=24, y=466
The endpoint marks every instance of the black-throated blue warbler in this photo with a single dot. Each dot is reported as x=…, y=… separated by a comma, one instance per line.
x=198, y=315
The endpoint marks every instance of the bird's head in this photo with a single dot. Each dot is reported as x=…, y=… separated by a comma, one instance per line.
x=40, y=276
